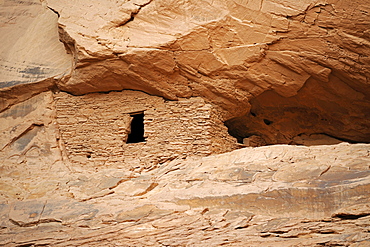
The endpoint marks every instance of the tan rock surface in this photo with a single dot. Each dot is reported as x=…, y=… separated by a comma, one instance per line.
x=31, y=56
x=275, y=72
x=94, y=129
x=285, y=60
x=299, y=66
x=267, y=196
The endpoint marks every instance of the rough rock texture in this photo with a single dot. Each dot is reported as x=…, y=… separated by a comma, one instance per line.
x=275, y=72
x=29, y=136
x=266, y=196
x=31, y=56
x=95, y=128
x=301, y=65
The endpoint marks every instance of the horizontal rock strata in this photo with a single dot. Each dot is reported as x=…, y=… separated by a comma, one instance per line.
x=120, y=123
x=278, y=195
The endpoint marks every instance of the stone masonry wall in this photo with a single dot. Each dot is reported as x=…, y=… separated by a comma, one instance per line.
x=94, y=129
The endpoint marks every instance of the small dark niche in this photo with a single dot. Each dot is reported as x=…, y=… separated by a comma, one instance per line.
x=240, y=140
x=351, y=216
x=236, y=129
x=267, y=122
x=137, y=129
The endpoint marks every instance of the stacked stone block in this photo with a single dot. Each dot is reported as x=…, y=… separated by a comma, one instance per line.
x=94, y=129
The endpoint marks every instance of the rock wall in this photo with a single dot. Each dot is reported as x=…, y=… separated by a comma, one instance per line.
x=280, y=60
x=316, y=53
x=285, y=60
x=268, y=196
x=32, y=58
x=75, y=74
x=29, y=148
x=94, y=129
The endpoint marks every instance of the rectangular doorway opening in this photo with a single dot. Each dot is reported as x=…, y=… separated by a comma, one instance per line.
x=137, y=128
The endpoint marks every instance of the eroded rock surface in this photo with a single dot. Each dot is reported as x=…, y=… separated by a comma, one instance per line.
x=300, y=65
x=275, y=72
x=267, y=196
x=31, y=56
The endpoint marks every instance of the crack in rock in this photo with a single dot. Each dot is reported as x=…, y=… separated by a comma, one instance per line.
x=33, y=223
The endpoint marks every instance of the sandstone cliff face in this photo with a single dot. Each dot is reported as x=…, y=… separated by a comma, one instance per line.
x=300, y=65
x=267, y=196
x=75, y=76
x=32, y=58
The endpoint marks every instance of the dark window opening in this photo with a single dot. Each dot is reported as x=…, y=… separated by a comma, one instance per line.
x=137, y=129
